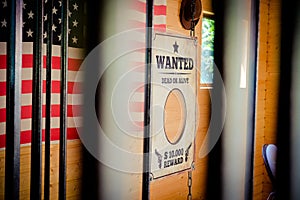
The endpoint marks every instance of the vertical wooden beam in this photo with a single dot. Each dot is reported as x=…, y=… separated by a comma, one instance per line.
x=13, y=102
x=63, y=101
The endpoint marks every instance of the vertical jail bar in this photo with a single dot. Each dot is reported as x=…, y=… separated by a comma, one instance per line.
x=36, y=137
x=48, y=101
x=63, y=101
x=295, y=107
x=284, y=117
x=13, y=102
x=239, y=79
x=214, y=173
x=146, y=143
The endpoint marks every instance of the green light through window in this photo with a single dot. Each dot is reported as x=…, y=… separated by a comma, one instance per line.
x=207, y=55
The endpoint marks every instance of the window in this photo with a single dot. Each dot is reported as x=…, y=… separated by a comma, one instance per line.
x=207, y=49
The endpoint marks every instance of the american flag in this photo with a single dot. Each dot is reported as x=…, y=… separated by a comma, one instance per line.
x=76, y=17
x=76, y=55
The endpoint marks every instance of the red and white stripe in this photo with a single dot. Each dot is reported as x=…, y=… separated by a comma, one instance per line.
x=75, y=58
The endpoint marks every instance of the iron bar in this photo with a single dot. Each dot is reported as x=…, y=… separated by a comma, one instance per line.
x=48, y=101
x=63, y=101
x=146, y=142
x=295, y=109
x=288, y=61
x=36, y=123
x=13, y=102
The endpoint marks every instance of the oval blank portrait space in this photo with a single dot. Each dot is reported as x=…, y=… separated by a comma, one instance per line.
x=174, y=116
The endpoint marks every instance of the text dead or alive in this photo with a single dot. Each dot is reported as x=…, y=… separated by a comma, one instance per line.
x=173, y=157
x=175, y=80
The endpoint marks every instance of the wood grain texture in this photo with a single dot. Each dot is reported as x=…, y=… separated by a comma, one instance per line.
x=267, y=92
x=74, y=170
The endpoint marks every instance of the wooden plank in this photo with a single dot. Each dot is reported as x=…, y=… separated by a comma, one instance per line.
x=258, y=156
x=266, y=187
x=260, y=168
x=171, y=190
x=257, y=192
x=207, y=5
x=74, y=170
x=258, y=180
x=73, y=191
x=269, y=43
x=263, y=34
x=2, y=178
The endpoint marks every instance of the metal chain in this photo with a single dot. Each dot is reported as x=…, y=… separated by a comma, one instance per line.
x=189, y=196
x=192, y=32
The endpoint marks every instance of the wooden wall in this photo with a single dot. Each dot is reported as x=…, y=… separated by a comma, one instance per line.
x=267, y=91
x=74, y=170
x=171, y=187
x=175, y=186
x=266, y=110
